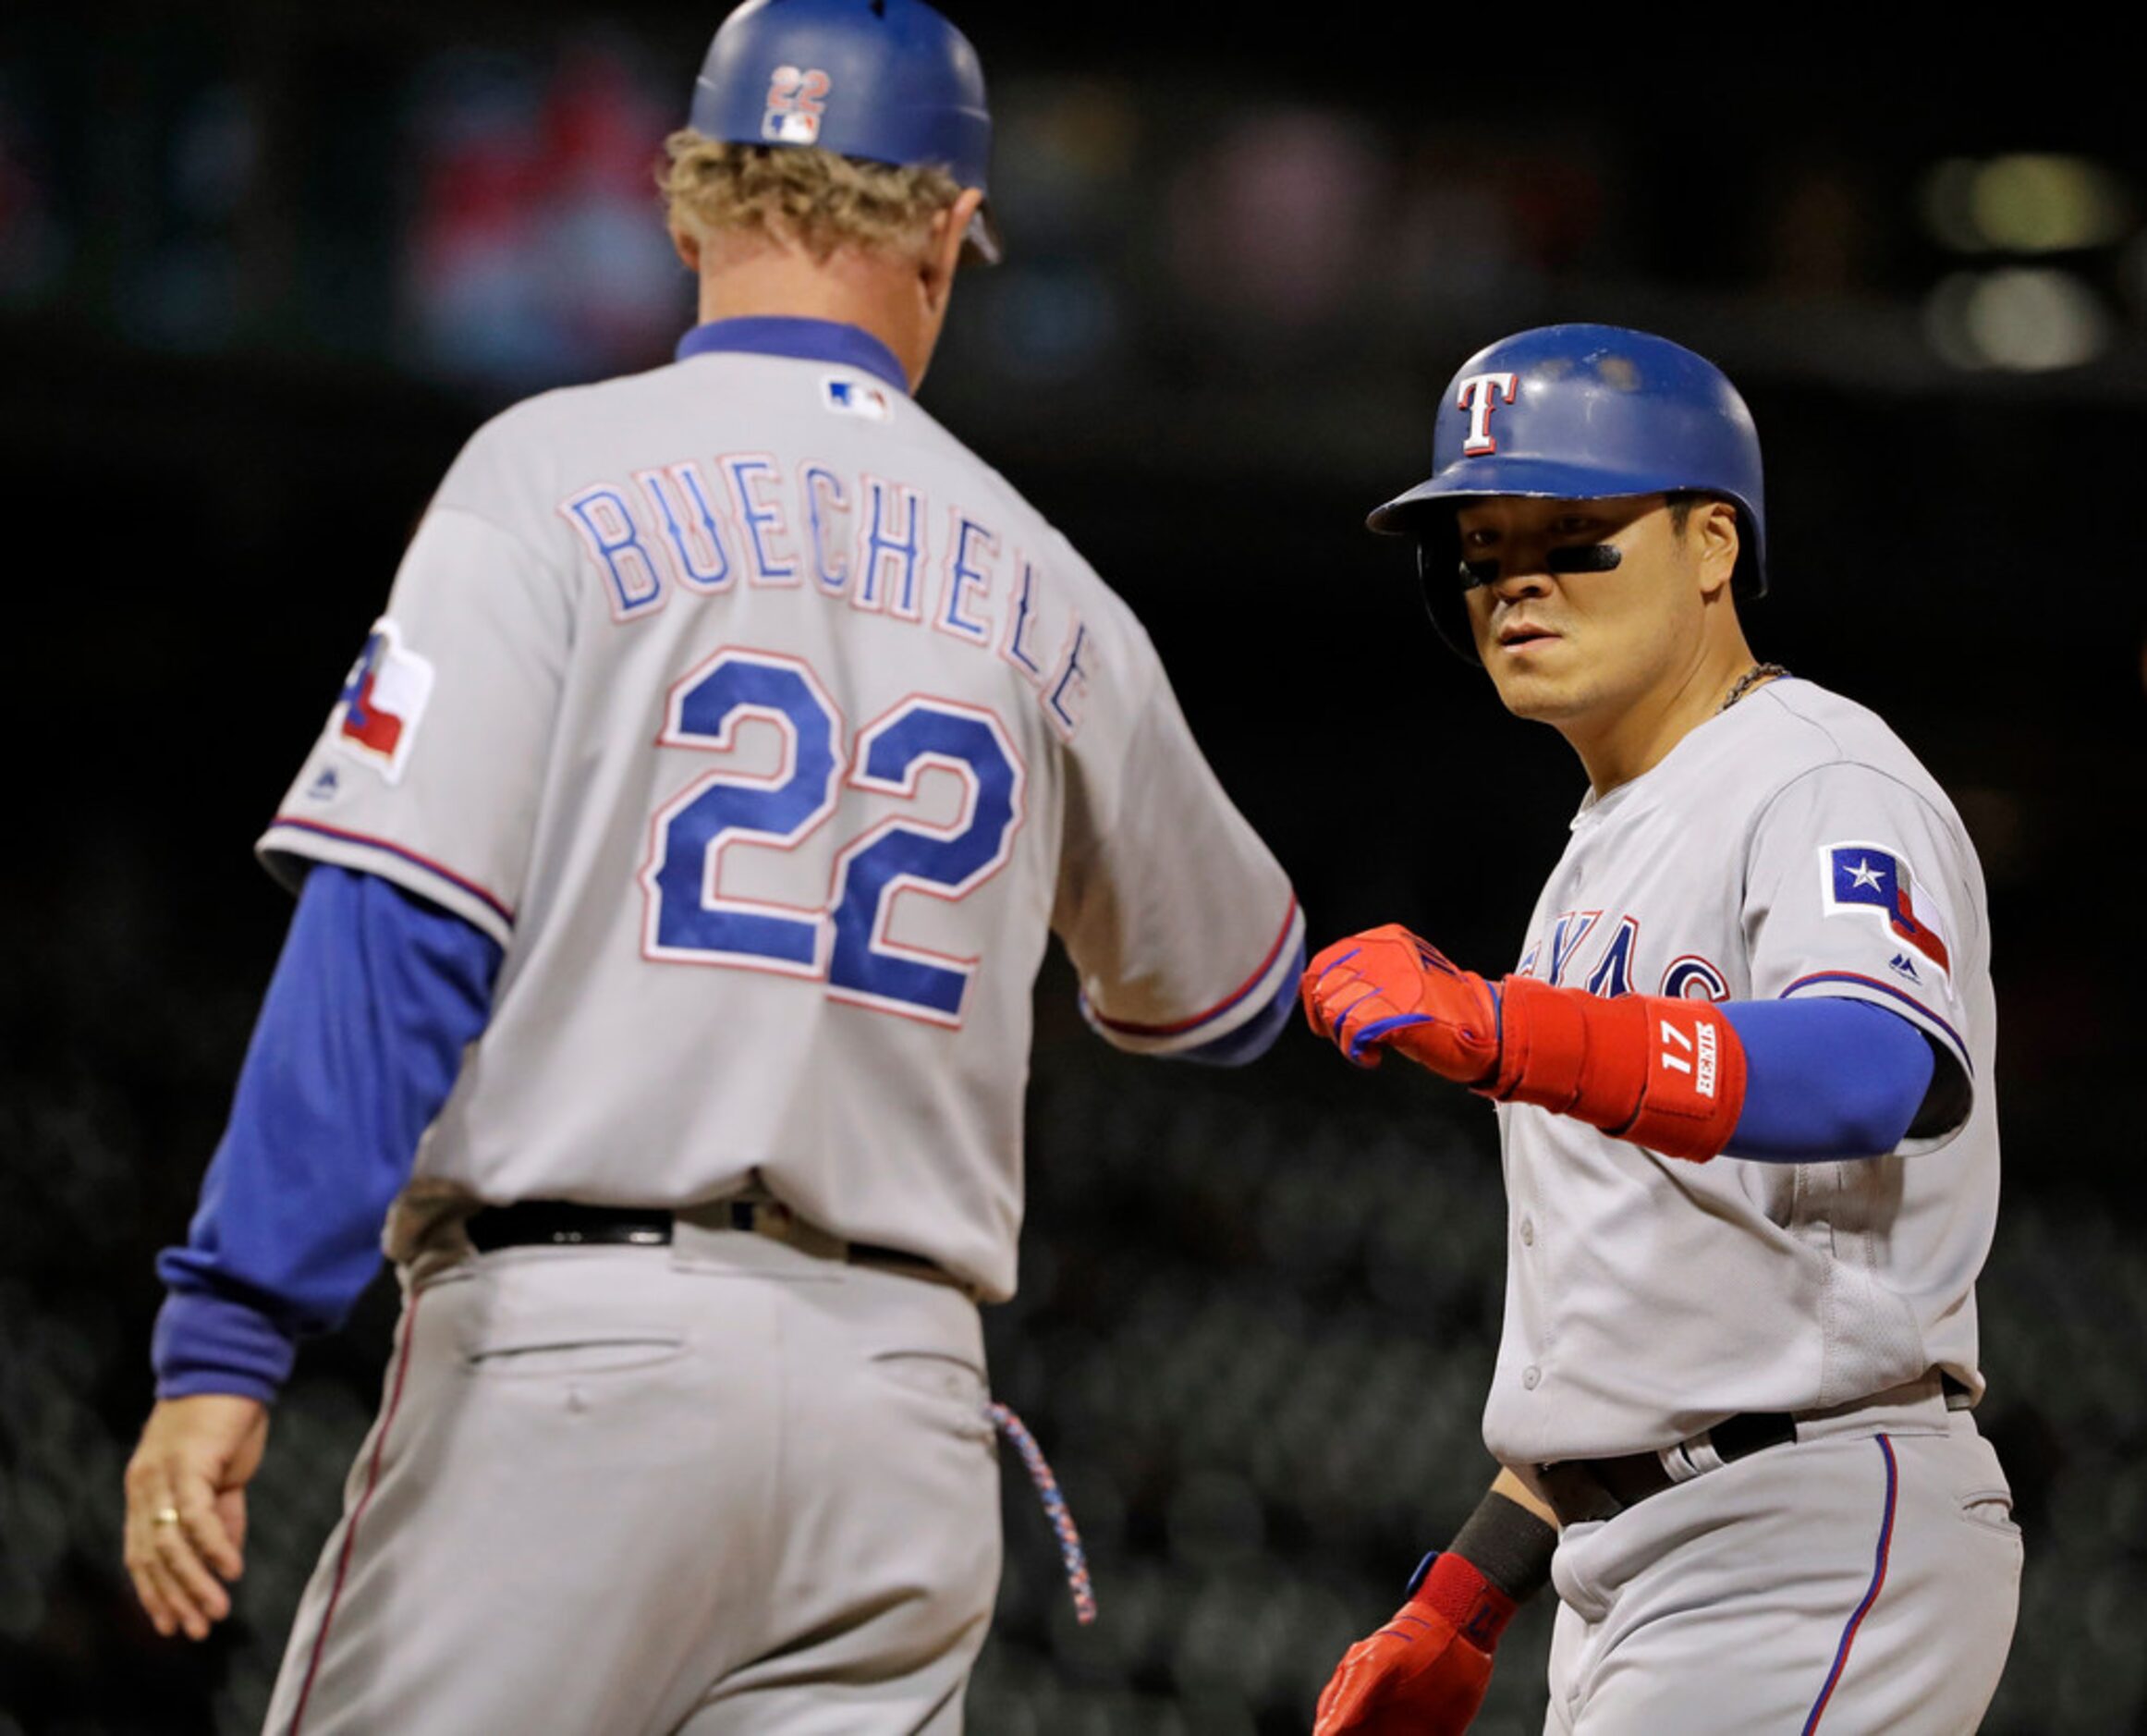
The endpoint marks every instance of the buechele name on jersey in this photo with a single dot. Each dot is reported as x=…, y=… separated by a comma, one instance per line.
x=702, y=528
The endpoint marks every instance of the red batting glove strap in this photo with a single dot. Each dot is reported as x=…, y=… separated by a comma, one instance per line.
x=1665, y=1073
x=1477, y=1609
x=1546, y=1036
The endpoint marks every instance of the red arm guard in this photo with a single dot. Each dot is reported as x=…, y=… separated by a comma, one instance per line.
x=1665, y=1073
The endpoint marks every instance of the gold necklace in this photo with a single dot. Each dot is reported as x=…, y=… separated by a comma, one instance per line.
x=1758, y=672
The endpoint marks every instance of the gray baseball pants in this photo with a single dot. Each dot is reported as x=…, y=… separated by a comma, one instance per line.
x=1862, y=1578
x=719, y=1488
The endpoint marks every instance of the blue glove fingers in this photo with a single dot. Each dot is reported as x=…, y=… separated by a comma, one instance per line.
x=1378, y=1028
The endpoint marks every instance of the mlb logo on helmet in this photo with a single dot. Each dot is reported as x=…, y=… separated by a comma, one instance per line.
x=797, y=100
x=382, y=699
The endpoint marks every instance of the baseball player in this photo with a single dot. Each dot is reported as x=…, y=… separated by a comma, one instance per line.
x=1743, y=1076
x=676, y=863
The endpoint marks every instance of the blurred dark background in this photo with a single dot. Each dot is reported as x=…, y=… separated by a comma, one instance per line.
x=263, y=267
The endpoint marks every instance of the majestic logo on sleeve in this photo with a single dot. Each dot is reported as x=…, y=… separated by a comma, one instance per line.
x=1865, y=878
x=383, y=697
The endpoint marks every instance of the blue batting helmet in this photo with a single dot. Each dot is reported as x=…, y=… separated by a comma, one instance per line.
x=887, y=81
x=1579, y=412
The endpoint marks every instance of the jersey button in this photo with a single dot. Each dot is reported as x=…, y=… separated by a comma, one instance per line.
x=1531, y=1375
x=1527, y=1232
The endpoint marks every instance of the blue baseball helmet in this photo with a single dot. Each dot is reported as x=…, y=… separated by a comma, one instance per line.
x=1578, y=412
x=887, y=81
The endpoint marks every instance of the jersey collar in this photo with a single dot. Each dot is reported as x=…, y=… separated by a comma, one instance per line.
x=807, y=340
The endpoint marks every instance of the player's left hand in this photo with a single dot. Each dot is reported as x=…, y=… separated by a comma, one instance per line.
x=1421, y=1674
x=1385, y=988
x=185, y=1507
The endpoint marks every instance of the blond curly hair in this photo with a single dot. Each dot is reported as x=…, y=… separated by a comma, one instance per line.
x=799, y=195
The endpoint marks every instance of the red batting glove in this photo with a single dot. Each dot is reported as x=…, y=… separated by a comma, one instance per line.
x=1385, y=988
x=1424, y=1673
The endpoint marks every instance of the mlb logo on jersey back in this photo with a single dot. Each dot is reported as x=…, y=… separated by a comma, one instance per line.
x=1864, y=879
x=855, y=398
x=383, y=697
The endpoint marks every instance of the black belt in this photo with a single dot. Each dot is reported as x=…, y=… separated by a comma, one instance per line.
x=564, y=1224
x=1583, y=1489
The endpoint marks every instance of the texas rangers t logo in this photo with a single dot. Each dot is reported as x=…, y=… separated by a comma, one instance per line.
x=1480, y=396
x=1864, y=878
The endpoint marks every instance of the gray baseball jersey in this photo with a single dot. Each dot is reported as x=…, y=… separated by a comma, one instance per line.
x=771, y=732
x=1791, y=846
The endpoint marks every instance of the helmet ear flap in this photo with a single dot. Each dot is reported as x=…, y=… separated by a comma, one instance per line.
x=1444, y=582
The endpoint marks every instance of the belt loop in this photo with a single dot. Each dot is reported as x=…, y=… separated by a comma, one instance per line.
x=1694, y=1455
x=776, y=1221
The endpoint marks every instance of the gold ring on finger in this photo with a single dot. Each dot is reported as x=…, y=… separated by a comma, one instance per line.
x=165, y=1516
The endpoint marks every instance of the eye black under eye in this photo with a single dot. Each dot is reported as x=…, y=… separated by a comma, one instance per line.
x=1574, y=557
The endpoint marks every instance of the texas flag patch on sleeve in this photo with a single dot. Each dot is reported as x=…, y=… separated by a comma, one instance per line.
x=383, y=697
x=1868, y=881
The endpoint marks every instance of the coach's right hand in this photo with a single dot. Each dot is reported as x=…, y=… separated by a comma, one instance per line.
x=1424, y=1673
x=185, y=1507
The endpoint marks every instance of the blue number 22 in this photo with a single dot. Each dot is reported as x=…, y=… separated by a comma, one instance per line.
x=690, y=920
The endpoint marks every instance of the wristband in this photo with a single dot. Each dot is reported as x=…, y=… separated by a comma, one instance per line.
x=1664, y=1072
x=1509, y=1545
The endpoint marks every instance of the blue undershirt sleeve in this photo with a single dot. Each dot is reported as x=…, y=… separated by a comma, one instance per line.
x=358, y=1042
x=1256, y=1035
x=1826, y=1078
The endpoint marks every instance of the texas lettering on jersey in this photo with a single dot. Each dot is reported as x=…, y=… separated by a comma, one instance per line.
x=700, y=528
x=1689, y=977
